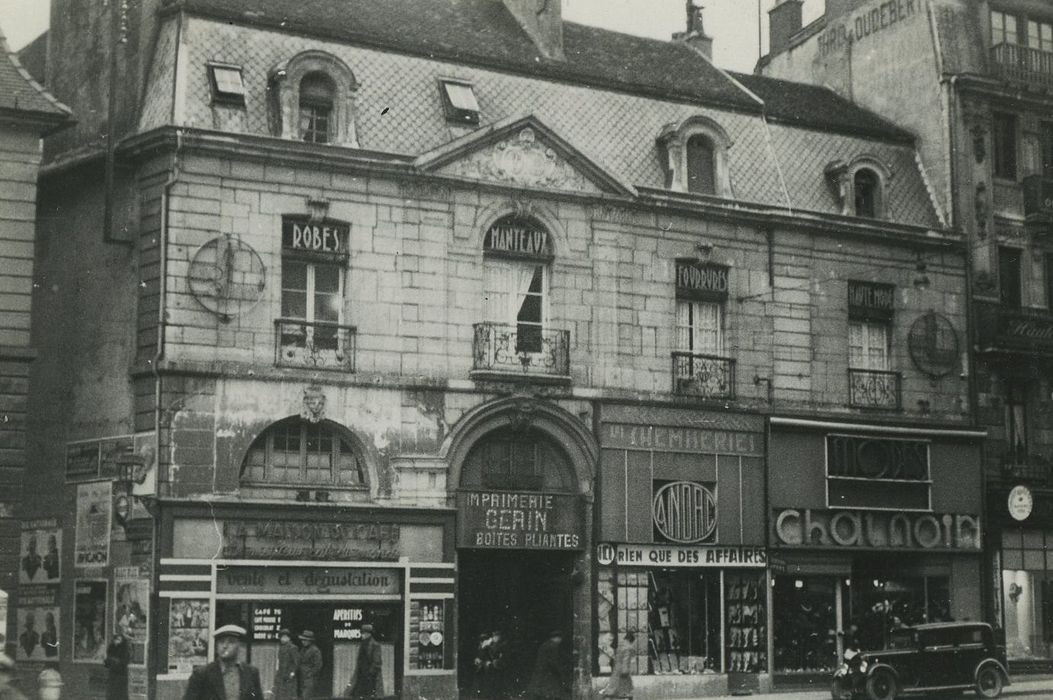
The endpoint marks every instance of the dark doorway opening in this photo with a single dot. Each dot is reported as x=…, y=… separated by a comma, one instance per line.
x=523, y=594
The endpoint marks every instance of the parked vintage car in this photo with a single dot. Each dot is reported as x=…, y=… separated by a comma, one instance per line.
x=942, y=656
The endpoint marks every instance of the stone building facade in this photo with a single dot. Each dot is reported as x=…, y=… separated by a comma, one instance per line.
x=469, y=323
x=972, y=80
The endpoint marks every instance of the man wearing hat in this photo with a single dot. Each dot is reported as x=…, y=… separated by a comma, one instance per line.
x=288, y=667
x=310, y=665
x=7, y=674
x=548, y=682
x=367, y=680
x=226, y=678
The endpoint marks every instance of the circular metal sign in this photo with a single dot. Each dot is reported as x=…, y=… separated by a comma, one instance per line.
x=226, y=276
x=684, y=512
x=604, y=554
x=933, y=345
x=1020, y=503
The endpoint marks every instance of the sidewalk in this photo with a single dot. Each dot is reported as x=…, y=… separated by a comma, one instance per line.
x=1023, y=686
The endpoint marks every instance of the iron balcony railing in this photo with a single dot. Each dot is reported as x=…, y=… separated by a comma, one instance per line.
x=1023, y=64
x=521, y=349
x=707, y=376
x=871, y=388
x=314, y=344
x=1029, y=468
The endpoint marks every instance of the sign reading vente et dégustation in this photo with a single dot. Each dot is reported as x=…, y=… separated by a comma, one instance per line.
x=519, y=520
x=326, y=237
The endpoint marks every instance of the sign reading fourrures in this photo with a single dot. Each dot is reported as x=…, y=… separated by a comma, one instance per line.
x=522, y=520
x=704, y=281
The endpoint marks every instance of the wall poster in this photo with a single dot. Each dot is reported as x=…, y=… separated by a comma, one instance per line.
x=188, y=622
x=89, y=620
x=38, y=634
x=41, y=549
x=94, y=511
x=131, y=603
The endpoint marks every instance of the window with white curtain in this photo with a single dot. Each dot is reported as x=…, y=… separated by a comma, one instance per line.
x=699, y=327
x=516, y=294
x=868, y=345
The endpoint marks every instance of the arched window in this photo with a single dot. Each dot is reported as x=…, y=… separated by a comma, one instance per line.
x=701, y=165
x=316, y=107
x=512, y=459
x=295, y=452
x=867, y=189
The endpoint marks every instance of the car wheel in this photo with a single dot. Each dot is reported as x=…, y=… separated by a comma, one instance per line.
x=881, y=686
x=989, y=682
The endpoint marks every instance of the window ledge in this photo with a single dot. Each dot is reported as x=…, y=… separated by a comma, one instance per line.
x=526, y=378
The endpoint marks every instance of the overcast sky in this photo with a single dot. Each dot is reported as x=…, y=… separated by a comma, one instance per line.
x=732, y=23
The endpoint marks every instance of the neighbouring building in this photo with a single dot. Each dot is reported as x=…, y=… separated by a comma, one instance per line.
x=453, y=317
x=27, y=112
x=972, y=79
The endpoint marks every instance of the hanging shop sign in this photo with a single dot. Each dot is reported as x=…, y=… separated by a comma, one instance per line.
x=879, y=530
x=701, y=281
x=523, y=520
x=520, y=236
x=683, y=511
x=226, y=276
x=327, y=237
x=703, y=556
x=1021, y=503
x=933, y=345
x=309, y=580
x=871, y=301
x=308, y=540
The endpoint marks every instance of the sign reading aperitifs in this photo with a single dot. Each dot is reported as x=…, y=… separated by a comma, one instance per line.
x=520, y=520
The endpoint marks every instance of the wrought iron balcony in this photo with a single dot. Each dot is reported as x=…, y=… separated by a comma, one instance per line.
x=708, y=376
x=521, y=350
x=314, y=344
x=1029, y=468
x=1023, y=64
x=871, y=388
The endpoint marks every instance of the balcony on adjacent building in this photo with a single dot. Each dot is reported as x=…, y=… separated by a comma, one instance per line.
x=314, y=345
x=871, y=388
x=1013, y=330
x=705, y=376
x=1022, y=64
x=505, y=351
x=1025, y=468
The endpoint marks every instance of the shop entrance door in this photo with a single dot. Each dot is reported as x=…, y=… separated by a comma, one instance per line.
x=523, y=594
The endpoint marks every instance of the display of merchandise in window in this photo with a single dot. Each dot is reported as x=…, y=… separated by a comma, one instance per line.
x=745, y=631
x=427, y=634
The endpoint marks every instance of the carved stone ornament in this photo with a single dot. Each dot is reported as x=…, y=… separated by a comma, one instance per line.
x=313, y=404
x=522, y=159
x=521, y=417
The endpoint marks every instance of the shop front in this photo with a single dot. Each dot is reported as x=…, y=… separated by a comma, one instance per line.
x=681, y=559
x=325, y=572
x=871, y=529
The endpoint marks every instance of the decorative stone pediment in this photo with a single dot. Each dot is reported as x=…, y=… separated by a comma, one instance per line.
x=523, y=152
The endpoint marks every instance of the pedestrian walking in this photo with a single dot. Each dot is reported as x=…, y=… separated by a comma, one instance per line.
x=620, y=684
x=310, y=665
x=491, y=671
x=7, y=676
x=118, y=655
x=226, y=678
x=547, y=681
x=287, y=669
x=367, y=681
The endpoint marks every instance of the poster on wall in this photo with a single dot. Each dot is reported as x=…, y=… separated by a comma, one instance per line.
x=110, y=451
x=38, y=634
x=144, y=475
x=131, y=601
x=41, y=552
x=94, y=510
x=188, y=622
x=121, y=505
x=89, y=620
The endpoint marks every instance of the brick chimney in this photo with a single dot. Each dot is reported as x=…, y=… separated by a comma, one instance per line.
x=696, y=36
x=784, y=20
x=542, y=20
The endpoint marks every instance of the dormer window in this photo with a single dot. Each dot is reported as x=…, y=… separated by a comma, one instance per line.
x=313, y=95
x=859, y=186
x=226, y=83
x=866, y=185
x=459, y=102
x=696, y=157
x=316, y=108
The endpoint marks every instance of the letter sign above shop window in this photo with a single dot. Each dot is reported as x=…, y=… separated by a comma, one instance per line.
x=701, y=281
x=326, y=238
x=875, y=472
x=684, y=512
x=871, y=301
x=518, y=236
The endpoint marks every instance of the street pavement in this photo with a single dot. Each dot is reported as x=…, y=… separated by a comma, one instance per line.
x=1024, y=688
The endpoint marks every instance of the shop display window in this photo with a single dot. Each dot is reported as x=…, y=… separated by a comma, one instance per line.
x=1027, y=594
x=427, y=634
x=805, y=623
x=684, y=621
x=746, y=630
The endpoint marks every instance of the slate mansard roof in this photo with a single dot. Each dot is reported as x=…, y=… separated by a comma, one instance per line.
x=610, y=100
x=20, y=94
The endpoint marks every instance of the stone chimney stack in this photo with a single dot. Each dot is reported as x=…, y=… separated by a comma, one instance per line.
x=696, y=36
x=542, y=20
x=784, y=20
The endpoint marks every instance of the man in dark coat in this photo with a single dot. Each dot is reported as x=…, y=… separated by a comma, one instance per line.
x=367, y=680
x=118, y=655
x=310, y=665
x=288, y=668
x=547, y=682
x=226, y=678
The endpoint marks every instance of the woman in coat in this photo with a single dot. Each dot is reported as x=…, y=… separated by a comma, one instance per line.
x=118, y=655
x=288, y=668
x=620, y=684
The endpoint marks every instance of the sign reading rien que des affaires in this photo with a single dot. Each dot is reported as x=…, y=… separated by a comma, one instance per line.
x=674, y=555
x=519, y=520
